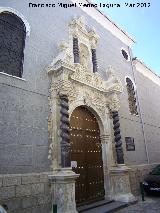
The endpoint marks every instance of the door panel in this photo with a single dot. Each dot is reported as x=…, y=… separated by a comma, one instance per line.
x=86, y=150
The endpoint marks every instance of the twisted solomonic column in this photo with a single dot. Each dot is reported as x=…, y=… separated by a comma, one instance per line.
x=65, y=132
x=117, y=135
x=76, y=50
x=94, y=60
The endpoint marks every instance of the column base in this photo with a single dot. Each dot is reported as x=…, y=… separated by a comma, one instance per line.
x=63, y=190
x=126, y=198
x=120, y=184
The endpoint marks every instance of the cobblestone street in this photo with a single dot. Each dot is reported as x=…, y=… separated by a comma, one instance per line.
x=150, y=205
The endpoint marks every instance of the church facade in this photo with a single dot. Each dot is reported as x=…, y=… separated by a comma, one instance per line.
x=78, y=113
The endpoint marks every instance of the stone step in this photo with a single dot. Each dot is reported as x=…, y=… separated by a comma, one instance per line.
x=102, y=207
x=93, y=205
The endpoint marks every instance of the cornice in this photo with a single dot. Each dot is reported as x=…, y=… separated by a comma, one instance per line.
x=146, y=71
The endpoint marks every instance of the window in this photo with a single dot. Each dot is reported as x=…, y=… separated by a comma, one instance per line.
x=12, y=41
x=131, y=97
x=125, y=54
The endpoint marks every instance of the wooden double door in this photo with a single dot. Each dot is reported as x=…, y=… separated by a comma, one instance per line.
x=86, y=156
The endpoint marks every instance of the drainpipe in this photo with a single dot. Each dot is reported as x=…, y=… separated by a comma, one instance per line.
x=140, y=112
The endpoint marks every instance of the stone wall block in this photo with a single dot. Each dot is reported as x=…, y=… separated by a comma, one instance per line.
x=23, y=190
x=28, y=210
x=137, y=175
x=47, y=188
x=13, y=204
x=43, y=178
x=0, y=181
x=7, y=192
x=42, y=200
x=37, y=188
x=28, y=202
x=11, y=180
x=42, y=209
x=30, y=179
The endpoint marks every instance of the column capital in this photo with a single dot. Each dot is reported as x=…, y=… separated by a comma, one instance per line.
x=114, y=105
x=104, y=138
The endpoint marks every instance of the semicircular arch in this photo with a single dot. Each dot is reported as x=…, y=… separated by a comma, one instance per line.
x=15, y=12
x=92, y=110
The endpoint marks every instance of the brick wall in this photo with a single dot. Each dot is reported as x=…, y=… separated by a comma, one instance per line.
x=29, y=193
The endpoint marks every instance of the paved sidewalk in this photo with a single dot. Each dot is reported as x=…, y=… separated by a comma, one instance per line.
x=150, y=205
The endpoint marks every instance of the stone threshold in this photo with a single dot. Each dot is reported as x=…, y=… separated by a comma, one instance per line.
x=104, y=206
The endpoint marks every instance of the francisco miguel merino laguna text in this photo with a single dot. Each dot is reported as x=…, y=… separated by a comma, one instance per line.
x=62, y=5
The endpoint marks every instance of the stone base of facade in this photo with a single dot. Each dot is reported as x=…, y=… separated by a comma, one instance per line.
x=137, y=174
x=32, y=192
x=126, y=198
x=25, y=193
x=120, y=184
x=63, y=190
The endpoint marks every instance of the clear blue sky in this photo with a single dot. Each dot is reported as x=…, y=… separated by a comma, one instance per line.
x=143, y=24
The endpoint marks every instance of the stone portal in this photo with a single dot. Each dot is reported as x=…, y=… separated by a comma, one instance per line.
x=76, y=82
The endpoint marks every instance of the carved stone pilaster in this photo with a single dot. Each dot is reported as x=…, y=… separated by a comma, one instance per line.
x=75, y=50
x=117, y=135
x=65, y=132
x=94, y=60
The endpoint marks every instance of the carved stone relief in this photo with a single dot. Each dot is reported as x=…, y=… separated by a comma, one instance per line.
x=84, y=56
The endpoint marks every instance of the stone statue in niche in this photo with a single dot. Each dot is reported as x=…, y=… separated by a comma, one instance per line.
x=84, y=56
x=113, y=82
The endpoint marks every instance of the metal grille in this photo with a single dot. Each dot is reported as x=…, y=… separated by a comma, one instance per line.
x=86, y=150
x=12, y=40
